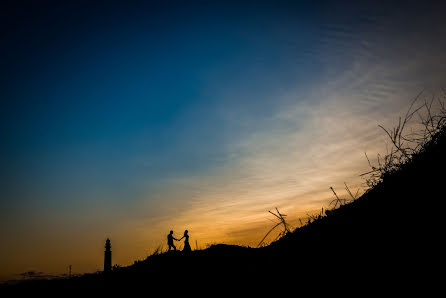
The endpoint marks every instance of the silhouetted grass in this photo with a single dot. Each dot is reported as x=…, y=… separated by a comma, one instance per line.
x=393, y=225
x=406, y=145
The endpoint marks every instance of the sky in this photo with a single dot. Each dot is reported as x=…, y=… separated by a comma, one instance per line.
x=128, y=119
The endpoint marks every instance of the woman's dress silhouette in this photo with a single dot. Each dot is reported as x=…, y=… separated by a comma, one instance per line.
x=186, y=242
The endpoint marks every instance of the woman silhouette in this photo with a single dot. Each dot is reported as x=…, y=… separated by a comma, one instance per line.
x=186, y=242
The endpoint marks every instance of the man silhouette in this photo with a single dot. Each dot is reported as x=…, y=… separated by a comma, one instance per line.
x=170, y=239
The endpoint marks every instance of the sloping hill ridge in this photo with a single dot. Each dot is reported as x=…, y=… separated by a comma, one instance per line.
x=390, y=233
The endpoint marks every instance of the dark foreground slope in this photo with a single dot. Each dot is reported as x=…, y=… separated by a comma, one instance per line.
x=396, y=223
x=389, y=236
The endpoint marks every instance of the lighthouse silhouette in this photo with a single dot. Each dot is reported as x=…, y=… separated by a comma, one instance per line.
x=107, y=256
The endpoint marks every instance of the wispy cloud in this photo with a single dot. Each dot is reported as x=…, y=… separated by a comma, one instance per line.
x=315, y=141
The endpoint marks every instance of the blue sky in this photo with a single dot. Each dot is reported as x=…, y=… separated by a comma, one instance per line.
x=125, y=120
x=104, y=90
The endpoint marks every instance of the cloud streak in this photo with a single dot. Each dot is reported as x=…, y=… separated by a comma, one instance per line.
x=316, y=140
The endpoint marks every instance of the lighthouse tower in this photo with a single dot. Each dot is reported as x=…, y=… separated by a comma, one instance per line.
x=107, y=256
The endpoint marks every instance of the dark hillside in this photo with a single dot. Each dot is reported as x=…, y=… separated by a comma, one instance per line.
x=393, y=228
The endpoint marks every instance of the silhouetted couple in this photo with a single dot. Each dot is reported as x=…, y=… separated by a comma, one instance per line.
x=170, y=240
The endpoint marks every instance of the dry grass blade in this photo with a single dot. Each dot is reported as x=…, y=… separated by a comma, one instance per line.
x=282, y=221
x=337, y=200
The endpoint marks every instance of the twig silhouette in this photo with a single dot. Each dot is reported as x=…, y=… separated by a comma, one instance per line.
x=354, y=197
x=337, y=200
x=282, y=221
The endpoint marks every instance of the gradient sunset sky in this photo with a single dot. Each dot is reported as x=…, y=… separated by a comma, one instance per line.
x=126, y=119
